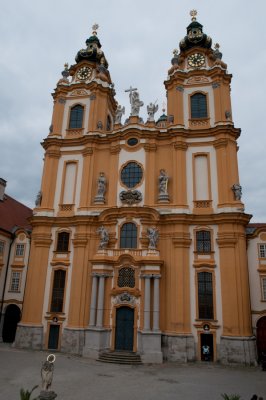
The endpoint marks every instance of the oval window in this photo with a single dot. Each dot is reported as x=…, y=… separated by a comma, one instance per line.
x=132, y=141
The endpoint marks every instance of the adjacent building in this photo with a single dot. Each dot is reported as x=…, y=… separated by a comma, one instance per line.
x=14, y=254
x=139, y=235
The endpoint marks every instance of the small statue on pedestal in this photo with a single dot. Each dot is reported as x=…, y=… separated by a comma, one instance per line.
x=163, y=183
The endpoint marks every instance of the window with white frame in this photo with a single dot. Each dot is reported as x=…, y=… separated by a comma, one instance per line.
x=15, y=281
x=2, y=245
x=262, y=250
x=20, y=249
x=263, y=288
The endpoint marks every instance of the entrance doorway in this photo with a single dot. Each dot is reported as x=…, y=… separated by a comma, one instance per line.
x=53, y=337
x=206, y=346
x=124, y=333
x=261, y=337
x=12, y=318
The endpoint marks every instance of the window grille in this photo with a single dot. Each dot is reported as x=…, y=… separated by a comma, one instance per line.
x=128, y=236
x=20, y=249
x=198, y=106
x=263, y=287
x=62, y=241
x=131, y=174
x=15, y=281
x=58, y=291
x=126, y=277
x=76, y=117
x=205, y=295
x=203, y=241
x=262, y=250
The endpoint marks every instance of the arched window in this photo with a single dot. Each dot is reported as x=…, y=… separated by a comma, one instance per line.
x=203, y=241
x=108, y=123
x=58, y=291
x=76, y=117
x=205, y=295
x=62, y=241
x=128, y=236
x=126, y=277
x=198, y=105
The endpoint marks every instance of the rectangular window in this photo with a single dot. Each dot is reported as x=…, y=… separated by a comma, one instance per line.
x=263, y=288
x=20, y=250
x=205, y=295
x=15, y=281
x=2, y=245
x=58, y=291
x=262, y=250
x=203, y=241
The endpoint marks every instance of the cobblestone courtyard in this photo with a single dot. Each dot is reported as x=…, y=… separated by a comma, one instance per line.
x=79, y=378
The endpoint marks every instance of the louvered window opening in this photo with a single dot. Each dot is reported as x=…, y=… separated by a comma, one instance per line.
x=198, y=106
x=205, y=295
x=126, y=277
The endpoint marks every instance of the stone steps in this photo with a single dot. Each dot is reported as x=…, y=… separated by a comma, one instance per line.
x=120, y=357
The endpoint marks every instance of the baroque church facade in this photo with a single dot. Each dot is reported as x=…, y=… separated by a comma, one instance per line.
x=139, y=233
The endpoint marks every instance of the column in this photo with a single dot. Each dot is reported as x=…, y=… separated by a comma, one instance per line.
x=99, y=322
x=93, y=300
x=147, y=300
x=156, y=303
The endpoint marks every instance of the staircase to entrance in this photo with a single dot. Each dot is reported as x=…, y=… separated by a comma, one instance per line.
x=120, y=357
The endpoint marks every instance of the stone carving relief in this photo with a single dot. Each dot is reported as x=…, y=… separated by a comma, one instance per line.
x=130, y=196
x=125, y=298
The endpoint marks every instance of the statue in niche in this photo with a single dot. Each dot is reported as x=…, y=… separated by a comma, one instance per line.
x=163, y=182
x=152, y=108
x=120, y=111
x=153, y=236
x=104, y=237
x=101, y=188
x=237, y=189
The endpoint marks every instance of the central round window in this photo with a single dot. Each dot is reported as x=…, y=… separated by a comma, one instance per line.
x=131, y=174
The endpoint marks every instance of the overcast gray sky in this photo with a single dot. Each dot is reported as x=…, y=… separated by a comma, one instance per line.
x=138, y=37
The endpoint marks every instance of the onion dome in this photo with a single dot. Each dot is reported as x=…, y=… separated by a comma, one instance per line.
x=163, y=118
x=93, y=51
x=195, y=36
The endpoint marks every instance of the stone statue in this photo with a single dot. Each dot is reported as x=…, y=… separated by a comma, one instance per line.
x=163, y=182
x=47, y=372
x=237, y=189
x=135, y=102
x=153, y=236
x=118, y=115
x=104, y=237
x=101, y=189
x=152, y=108
x=38, y=199
x=101, y=184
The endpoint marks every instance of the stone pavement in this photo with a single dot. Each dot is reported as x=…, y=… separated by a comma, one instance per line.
x=83, y=379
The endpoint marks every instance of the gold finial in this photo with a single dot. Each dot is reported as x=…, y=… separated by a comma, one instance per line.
x=175, y=52
x=95, y=27
x=164, y=107
x=193, y=14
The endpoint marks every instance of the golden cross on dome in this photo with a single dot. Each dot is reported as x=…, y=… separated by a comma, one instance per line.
x=193, y=14
x=95, y=27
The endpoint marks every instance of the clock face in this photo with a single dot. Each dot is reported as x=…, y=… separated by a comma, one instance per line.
x=196, y=60
x=84, y=73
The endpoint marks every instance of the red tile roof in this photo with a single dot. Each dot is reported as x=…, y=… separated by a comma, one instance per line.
x=13, y=214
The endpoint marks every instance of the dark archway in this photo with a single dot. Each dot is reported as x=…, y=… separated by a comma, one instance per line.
x=124, y=333
x=261, y=337
x=12, y=318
